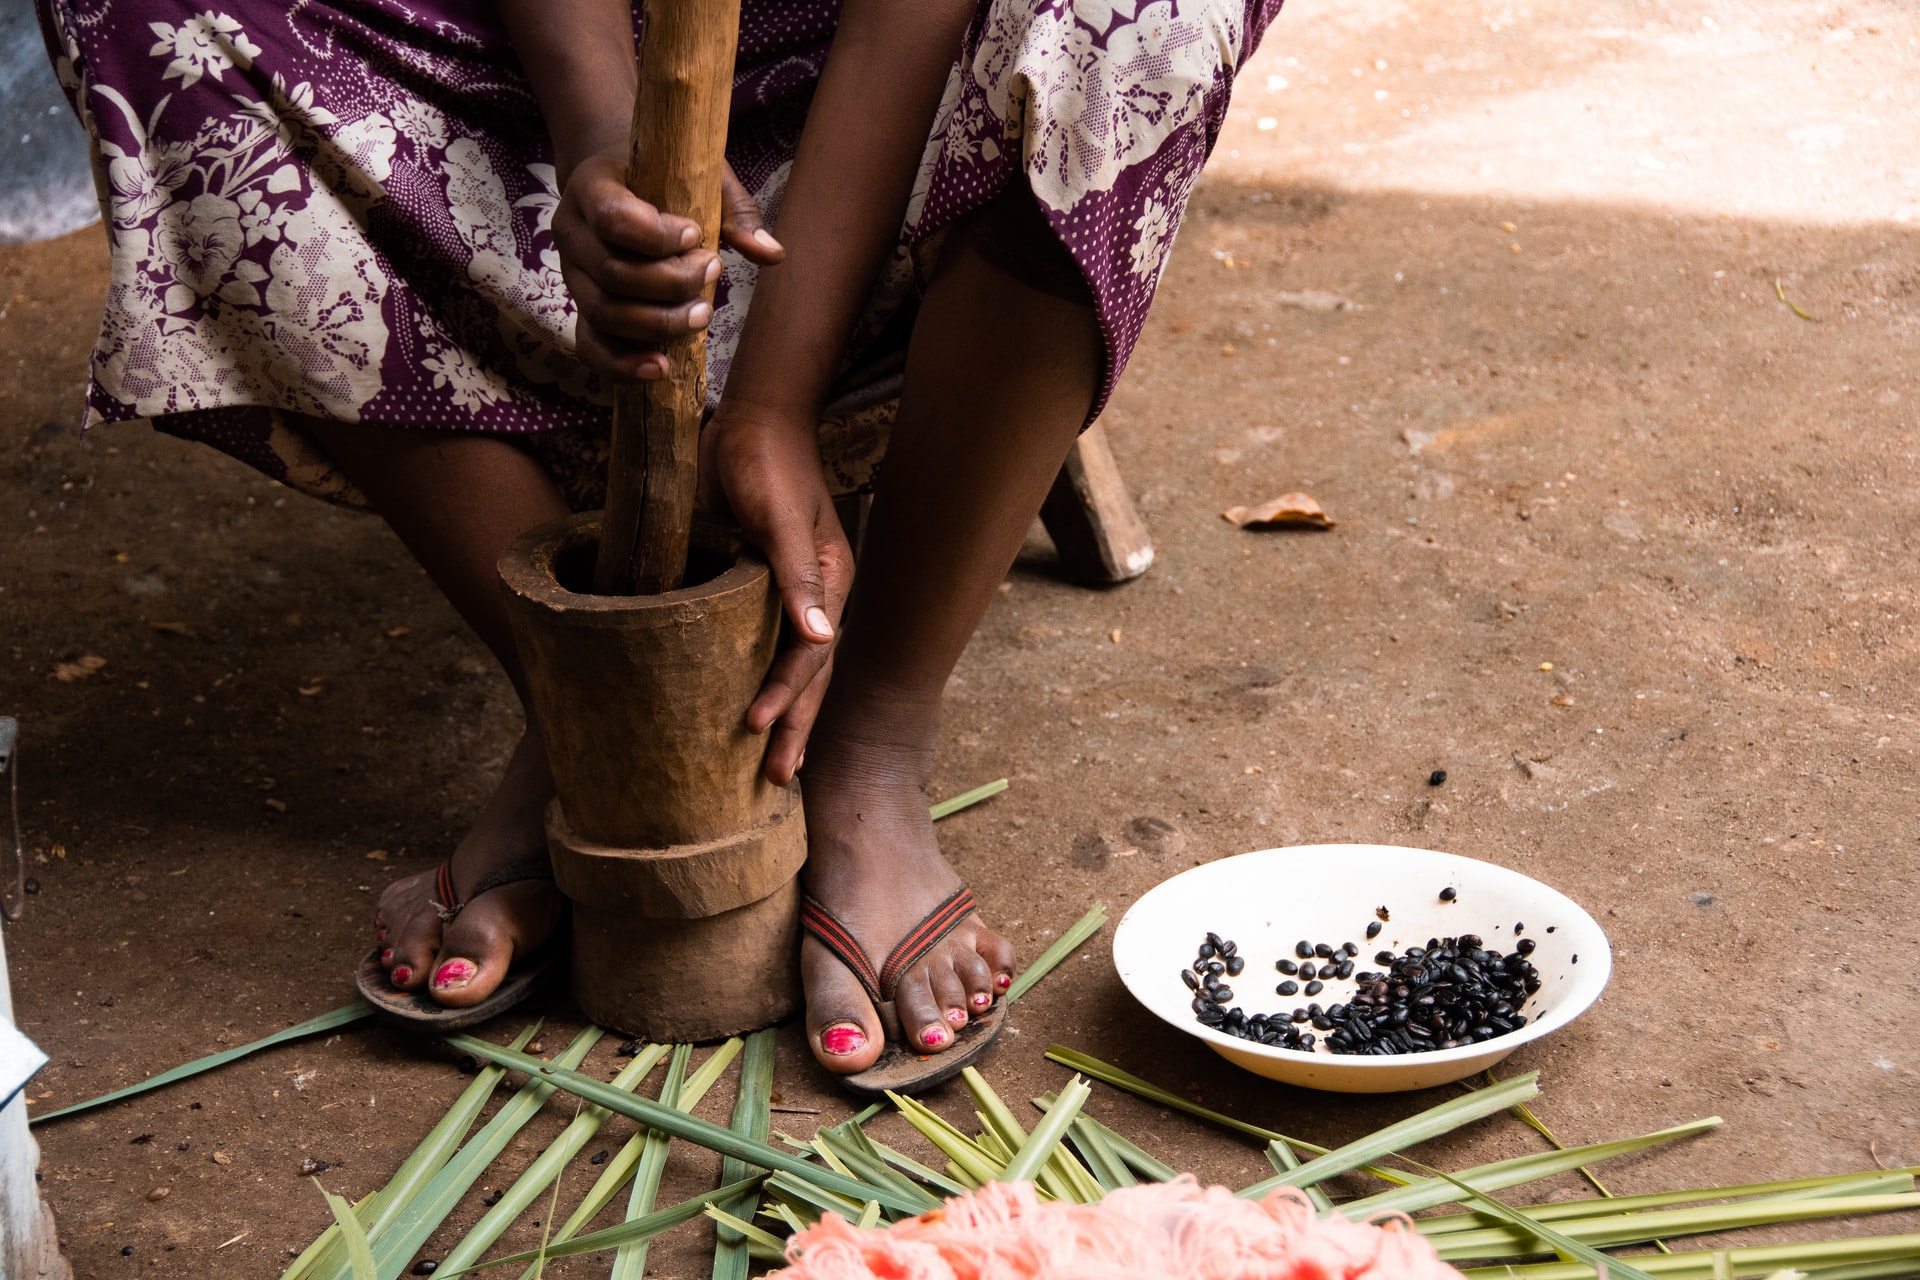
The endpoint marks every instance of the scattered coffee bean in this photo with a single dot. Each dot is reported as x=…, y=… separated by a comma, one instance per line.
x=1437, y=777
x=1286, y=966
x=425, y=1267
x=1315, y=988
x=1234, y=966
x=1303, y=949
x=1286, y=988
x=1449, y=893
x=1373, y=930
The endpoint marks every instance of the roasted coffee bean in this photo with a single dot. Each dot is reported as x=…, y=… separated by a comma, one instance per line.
x=1383, y=957
x=1229, y=948
x=1308, y=973
x=1213, y=940
x=1303, y=949
x=1373, y=930
x=1315, y=988
x=1208, y=951
x=1437, y=777
x=1234, y=965
x=1518, y=928
x=1350, y=948
x=1220, y=994
x=425, y=1267
x=1449, y=893
x=1186, y=976
x=1322, y=950
x=599, y=1157
x=1286, y=988
x=1286, y=966
x=1524, y=947
x=1345, y=970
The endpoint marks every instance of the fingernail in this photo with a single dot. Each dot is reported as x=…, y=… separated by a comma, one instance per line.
x=713, y=270
x=958, y=1017
x=843, y=1039
x=455, y=973
x=402, y=976
x=935, y=1036
x=1004, y=981
x=800, y=762
x=818, y=624
x=386, y=955
x=689, y=237
x=699, y=314
x=764, y=238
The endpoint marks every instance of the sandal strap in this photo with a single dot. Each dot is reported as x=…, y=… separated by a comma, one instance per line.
x=837, y=938
x=447, y=900
x=922, y=938
x=925, y=936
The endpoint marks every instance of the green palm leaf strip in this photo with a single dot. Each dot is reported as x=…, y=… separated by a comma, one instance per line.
x=752, y=1116
x=691, y=1128
x=544, y=1170
x=1063, y=946
x=1892, y=1182
x=359, y=1253
x=1134, y=1156
x=1900, y=1251
x=1429, y=1124
x=968, y=1156
x=1102, y=1161
x=630, y=1263
x=1512, y=1173
x=858, y=1156
x=967, y=799
x=326, y=1255
x=1281, y=1156
x=1042, y=1146
x=1640, y=1228
x=627, y=1232
x=1088, y=1065
x=332, y=1020
x=914, y=1169
x=615, y=1173
x=999, y=1124
x=1566, y=1246
x=395, y=1246
x=748, y=1233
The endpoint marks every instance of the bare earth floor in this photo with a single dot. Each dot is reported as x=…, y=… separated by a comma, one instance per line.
x=1566, y=419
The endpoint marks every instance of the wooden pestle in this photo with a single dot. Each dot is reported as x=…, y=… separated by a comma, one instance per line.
x=678, y=155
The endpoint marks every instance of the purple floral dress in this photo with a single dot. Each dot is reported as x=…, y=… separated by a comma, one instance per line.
x=342, y=208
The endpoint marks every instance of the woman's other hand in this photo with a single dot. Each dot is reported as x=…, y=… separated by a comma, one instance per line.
x=763, y=467
x=639, y=277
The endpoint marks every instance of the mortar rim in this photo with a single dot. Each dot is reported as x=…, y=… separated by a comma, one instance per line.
x=526, y=568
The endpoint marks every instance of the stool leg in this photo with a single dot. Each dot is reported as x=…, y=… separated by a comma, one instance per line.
x=1100, y=536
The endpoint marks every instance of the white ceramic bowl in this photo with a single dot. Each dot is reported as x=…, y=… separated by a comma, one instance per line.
x=1268, y=901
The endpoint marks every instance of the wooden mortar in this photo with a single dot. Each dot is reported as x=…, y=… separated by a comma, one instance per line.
x=680, y=858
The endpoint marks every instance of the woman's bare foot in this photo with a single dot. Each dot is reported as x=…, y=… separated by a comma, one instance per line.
x=459, y=963
x=872, y=861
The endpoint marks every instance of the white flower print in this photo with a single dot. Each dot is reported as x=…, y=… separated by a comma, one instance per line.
x=200, y=240
x=544, y=201
x=420, y=121
x=1096, y=111
x=206, y=44
x=472, y=386
x=1153, y=228
x=262, y=219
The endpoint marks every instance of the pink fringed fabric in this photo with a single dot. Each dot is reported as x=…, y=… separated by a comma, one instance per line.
x=1167, y=1231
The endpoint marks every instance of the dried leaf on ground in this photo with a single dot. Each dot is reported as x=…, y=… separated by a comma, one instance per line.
x=1312, y=300
x=1289, y=510
x=79, y=669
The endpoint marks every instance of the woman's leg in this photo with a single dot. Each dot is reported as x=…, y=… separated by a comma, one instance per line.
x=456, y=501
x=1000, y=376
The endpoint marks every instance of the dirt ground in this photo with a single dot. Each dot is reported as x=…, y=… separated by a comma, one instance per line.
x=1567, y=418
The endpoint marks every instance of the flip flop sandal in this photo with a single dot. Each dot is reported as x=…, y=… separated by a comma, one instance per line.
x=421, y=1011
x=901, y=1068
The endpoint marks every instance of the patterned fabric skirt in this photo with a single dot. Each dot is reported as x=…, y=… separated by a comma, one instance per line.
x=342, y=208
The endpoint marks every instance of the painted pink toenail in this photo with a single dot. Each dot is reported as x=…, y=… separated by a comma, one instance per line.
x=455, y=973
x=380, y=936
x=982, y=1000
x=843, y=1040
x=1004, y=981
x=935, y=1036
x=386, y=955
x=958, y=1017
x=401, y=976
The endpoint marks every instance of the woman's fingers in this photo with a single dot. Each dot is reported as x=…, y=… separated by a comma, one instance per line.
x=741, y=226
